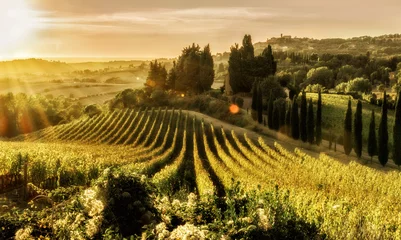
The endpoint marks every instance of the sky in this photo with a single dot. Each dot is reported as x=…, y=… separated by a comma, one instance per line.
x=159, y=28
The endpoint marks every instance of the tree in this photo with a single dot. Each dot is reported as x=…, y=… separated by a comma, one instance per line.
x=157, y=75
x=235, y=69
x=171, y=78
x=270, y=85
x=194, y=70
x=247, y=48
x=347, y=141
x=319, y=119
x=92, y=110
x=358, y=129
x=282, y=116
x=294, y=120
x=276, y=117
x=397, y=132
x=221, y=68
x=321, y=75
x=270, y=109
x=206, y=70
x=372, y=142
x=359, y=85
x=302, y=123
x=260, y=105
x=244, y=67
x=383, y=133
x=310, y=123
x=254, y=99
x=254, y=105
x=288, y=120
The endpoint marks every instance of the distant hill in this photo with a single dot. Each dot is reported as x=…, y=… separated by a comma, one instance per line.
x=381, y=46
x=33, y=66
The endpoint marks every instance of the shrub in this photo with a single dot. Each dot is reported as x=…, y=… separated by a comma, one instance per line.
x=239, y=101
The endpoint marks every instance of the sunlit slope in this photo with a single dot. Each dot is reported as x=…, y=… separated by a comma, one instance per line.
x=179, y=151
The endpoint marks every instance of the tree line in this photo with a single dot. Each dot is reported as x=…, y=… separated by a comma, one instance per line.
x=192, y=72
x=377, y=146
x=20, y=113
x=288, y=118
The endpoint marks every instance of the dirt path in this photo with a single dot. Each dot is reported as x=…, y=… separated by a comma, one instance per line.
x=270, y=137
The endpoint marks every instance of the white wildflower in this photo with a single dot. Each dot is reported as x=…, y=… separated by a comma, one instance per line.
x=24, y=234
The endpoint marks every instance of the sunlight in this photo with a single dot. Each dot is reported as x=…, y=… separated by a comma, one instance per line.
x=17, y=23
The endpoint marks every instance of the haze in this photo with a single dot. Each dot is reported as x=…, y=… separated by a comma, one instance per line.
x=148, y=29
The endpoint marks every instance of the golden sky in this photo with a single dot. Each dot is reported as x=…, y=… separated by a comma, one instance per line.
x=160, y=28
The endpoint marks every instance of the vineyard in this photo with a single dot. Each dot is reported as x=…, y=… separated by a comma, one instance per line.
x=180, y=153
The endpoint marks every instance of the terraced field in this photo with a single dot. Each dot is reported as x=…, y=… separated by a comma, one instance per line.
x=179, y=152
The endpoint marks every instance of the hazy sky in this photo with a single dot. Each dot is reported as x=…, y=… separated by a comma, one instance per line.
x=161, y=28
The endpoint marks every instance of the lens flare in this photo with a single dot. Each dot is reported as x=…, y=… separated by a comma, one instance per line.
x=234, y=109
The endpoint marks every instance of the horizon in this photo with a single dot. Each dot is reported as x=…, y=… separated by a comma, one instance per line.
x=83, y=59
x=102, y=29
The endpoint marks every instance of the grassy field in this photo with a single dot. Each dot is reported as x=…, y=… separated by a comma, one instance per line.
x=334, y=108
x=179, y=153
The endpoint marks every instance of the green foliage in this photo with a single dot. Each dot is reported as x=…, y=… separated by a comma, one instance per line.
x=244, y=67
x=282, y=105
x=359, y=85
x=92, y=110
x=294, y=120
x=172, y=77
x=276, y=117
x=303, y=118
x=20, y=114
x=271, y=85
x=319, y=119
x=193, y=71
x=397, y=132
x=284, y=78
x=239, y=101
x=129, y=202
x=358, y=129
x=255, y=95
x=315, y=88
x=345, y=73
x=288, y=120
x=383, y=133
x=347, y=139
x=157, y=75
x=260, y=105
x=270, y=108
x=18, y=163
x=320, y=75
x=310, y=123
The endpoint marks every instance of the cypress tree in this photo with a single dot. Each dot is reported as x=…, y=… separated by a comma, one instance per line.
x=294, y=120
x=260, y=105
x=358, y=130
x=276, y=117
x=397, y=132
x=288, y=120
x=270, y=107
x=347, y=141
x=302, y=123
x=311, y=123
x=255, y=96
x=282, y=117
x=372, y=142
x=319, y=119
x=383, y=133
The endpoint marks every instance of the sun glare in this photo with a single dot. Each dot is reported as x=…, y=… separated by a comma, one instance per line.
x=17, y=23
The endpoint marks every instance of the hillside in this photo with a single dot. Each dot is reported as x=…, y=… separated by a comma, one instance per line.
x=182, y=152
x=381, y=46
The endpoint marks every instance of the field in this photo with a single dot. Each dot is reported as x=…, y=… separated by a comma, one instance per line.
x=334, y=109
x=180, y=154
